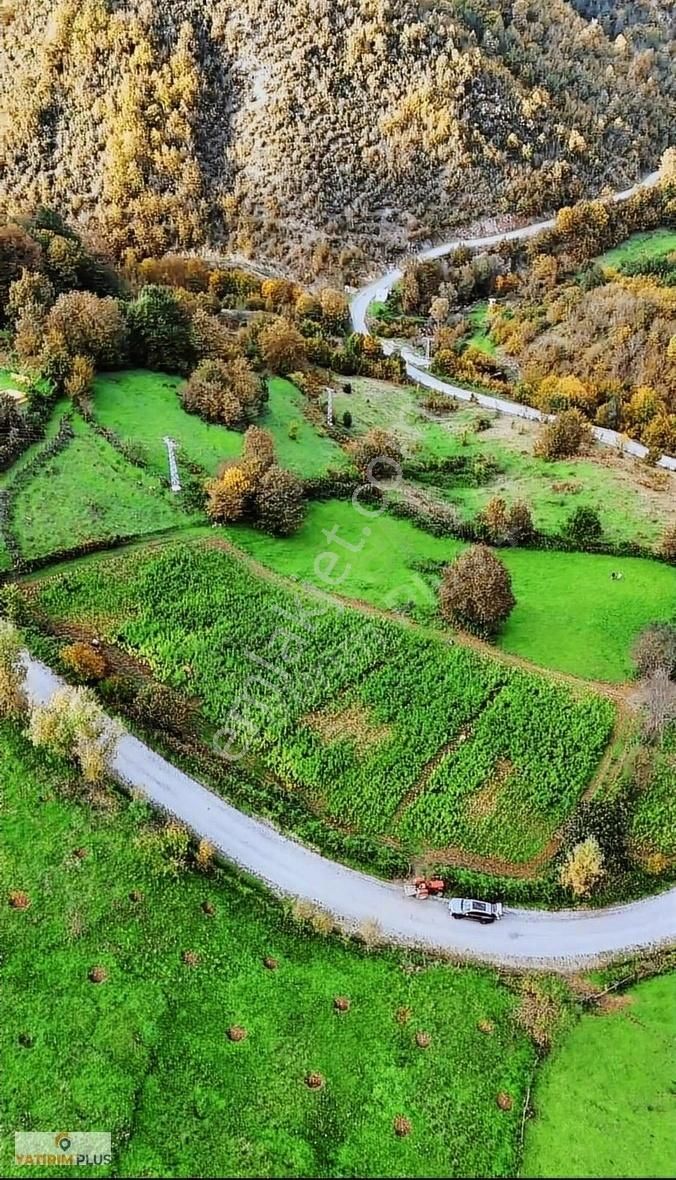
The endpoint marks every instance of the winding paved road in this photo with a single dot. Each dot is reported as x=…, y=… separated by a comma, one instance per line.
x=416, y=364
x=563, y=940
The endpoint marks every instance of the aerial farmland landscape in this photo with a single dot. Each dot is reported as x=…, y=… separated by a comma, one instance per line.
x=337, y=588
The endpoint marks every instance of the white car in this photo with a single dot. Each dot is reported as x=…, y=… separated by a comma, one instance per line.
x=477, y=911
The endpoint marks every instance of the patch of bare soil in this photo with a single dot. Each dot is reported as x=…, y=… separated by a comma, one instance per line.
x=483, y=804
x=352, y=723
x=613, y=1003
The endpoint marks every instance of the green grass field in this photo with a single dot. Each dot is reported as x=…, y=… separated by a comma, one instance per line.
x=142, y=407
x=356, y=740
x=634, y=504
x=604, y=1102
x=89, y=491
x=570, y=614
x=145, y=1054
x=642, y=247
x=397, y=408
x=481, y=337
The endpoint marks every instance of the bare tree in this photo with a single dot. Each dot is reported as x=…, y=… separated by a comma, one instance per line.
x=657, y=698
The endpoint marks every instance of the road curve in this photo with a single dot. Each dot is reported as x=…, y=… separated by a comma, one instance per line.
x=561, y=941
x=416, y=364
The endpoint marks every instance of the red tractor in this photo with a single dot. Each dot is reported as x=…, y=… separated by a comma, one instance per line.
x=423, y=887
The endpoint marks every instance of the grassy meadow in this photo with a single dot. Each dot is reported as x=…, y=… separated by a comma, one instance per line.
x=146, y=1053
x=570, y=614
x=604, y=1101
x=143, y=407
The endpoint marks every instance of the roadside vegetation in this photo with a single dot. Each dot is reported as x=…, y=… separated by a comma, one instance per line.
x=579, y=317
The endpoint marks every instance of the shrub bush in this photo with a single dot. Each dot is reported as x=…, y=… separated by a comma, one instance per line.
x=476, y=591
x=161, y=707
x=583, y=527
x=85, y=661
x=564, y=437
x=654, y=649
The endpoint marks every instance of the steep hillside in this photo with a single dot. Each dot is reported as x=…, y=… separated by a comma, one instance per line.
x=291, y=127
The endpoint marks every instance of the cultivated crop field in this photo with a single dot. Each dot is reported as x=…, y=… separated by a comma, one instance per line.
x=146, y=1053
x=466, y=749
x=654, y=826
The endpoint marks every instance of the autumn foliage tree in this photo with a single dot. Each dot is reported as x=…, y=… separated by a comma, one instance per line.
x=18, y=252
x=282, y=347
x=222, y=391
x=335, y=309
x=230, y=495
x=564, y=437
x=583, y=868
x=32, y=290
x=376, y=455
x=90, y=326
x=655, y=648
x=13, y=699
x=87, y=662
x=258, y=451
x=279, y=502
x=476, y=591
x=73, y=725
x=255, y=488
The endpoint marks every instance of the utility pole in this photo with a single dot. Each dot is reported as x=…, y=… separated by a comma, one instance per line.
x=174, y=480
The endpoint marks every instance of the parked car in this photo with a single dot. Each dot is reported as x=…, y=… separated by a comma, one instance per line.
x=477, y=911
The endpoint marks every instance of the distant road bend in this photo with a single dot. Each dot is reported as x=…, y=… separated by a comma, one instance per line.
x=558, y=940
x=416, y=363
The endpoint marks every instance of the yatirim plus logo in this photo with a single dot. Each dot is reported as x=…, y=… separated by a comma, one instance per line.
x=75, y=1149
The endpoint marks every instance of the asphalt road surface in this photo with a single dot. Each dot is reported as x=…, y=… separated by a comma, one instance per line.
x=416, y=364
x=558, y=940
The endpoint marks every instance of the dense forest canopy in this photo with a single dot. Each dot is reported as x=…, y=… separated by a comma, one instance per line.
x=319, y=129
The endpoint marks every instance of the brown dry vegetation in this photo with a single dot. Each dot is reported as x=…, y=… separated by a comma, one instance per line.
x=293, y=128
x=352, y=724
